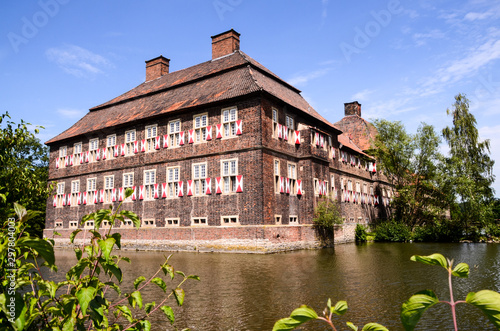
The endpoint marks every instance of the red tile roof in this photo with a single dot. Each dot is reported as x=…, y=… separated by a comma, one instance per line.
x=361, y=132
x=346, y=141
x=216, y=80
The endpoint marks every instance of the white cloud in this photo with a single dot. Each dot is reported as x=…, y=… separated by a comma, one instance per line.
x=77, y=61
x=422, y=38
x=477, y=16
x=303, y=79
x=71, y=113
x=362, y=95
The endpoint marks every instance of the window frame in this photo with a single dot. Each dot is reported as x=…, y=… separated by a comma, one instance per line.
x=109, y=185
x=199, y=182
x=110, y=148
x=149, y=185
x=202, y=221
x=229, y=179
x=230, y=218
x=200, y=132
x=229, y=125
x=175, y=135
x=150, y=138
x=130, y=136
x=91, y=193
x=173, y=185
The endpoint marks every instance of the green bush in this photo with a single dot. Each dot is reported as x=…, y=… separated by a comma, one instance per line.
x=492, y=230
x=393, y=231
x=360, y=233
x=439, y=231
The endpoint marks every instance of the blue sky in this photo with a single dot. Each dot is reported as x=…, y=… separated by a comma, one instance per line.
x=402, y=60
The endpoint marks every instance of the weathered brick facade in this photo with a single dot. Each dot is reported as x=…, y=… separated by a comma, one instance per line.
x=228, y=121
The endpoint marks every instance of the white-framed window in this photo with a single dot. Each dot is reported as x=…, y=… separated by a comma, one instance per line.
x=229, y=171
x=58, y=225
x=316, y=186
x=127, y=223
x=93, y=146
x=149, y=183
x=172, y=222
x=148, y=223
x=89, y=224
x=292, y=176
x=199, y=178
x=128, y=181
x=358, y=192
x=277, y=176
x=63, y=152
x=290, y=124
x=109, y=184
x=198, y=221
x=77, y=152
x=173, y=181
x=73, y=224
x=372, y=197
x=60, y=194
x=91, y=190
x=277, y=219
x=174, y=129
x=75, y=189
x=229, y=118
x=332, y=183
x=129, y=142
x=275, y=122
x=150, y=133
x=293, y=220
x=200, y=127
x=110, y=146
x=349, y=188
x=230, y=220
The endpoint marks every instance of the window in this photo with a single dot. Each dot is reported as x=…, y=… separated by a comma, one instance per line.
x=229, y=172
x=149, y=181
x=58, y=225
x=93, y=146
x=150, y=133
x=91, y=190
x=127, y=223
x=63, y=151
x=148, y=223
x=200, y=127
x=89, y=224
x=73, y=224
x=75, y=190
x=290, y=124
x=172, y=222
x=199, y=177
x=173, y=182
x=174, y=129
x=110, y=146
x=333, y=189
x=293, y=220
x=277, y=176
x=358, y=192
x=277, y=219
x=129, y=142
x=128, y=181
x=349, y=189
x=292, y=176
x=199, y=221
x=371, y=196
x=229, y=117
x=275, y=123
x=77, y=153
x=60, y=195
x=316, y=187
x=229, y=220
x=109, y=183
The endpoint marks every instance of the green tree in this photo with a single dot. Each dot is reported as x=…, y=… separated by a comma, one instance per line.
x=410, y=162
x=23, y=171
x=469, y=166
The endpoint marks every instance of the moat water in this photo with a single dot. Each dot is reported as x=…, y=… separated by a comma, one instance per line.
x=252, y=292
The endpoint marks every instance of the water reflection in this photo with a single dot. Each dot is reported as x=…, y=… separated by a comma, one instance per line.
x=251, y=292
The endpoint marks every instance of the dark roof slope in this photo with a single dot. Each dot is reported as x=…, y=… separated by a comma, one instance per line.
x=216, y=80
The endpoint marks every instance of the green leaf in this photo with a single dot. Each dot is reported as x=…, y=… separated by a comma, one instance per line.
x=115, y=270
x=461, y=270
x=352, y=326
x=73, y=235
x=84, y=296
x=78, y=253
x=287, y=324
x=131, y=216
x=145, y=325
x=161, y=284
x=41, y=246
x=117, y=237
x=106, y=246
x=179, y=296
x=412, y=310
x=304, y=312
x=69, y=324
x=340, y=308
x=181, y=273
x=138, y=281
x=149, y=306
x=434, y=259
x=169, y=313
x=114, y=287
x=488, y=302
x=136, y=297
x=168, y=269
x=126, y=312
x=374, y=327
x=193, y=277
x=297, y=317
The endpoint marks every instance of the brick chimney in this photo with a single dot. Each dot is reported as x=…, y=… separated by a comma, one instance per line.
x=225, y=43
x=352, y=108
x=157, y=67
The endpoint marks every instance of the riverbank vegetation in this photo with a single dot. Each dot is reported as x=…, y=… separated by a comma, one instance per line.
x=438, y=197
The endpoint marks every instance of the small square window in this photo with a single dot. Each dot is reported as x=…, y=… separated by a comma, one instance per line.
x=172, y=222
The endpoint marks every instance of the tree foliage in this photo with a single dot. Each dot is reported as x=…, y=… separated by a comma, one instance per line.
x=469, y=167
x=23, y=171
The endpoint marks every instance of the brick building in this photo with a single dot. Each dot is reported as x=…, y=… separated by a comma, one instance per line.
x=223, y=150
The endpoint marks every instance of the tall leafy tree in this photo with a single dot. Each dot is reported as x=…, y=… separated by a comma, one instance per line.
x=469, y=166
x=23, y=171
x=410, y=161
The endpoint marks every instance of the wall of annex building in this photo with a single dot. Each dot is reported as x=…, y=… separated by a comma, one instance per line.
x=237, y=144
